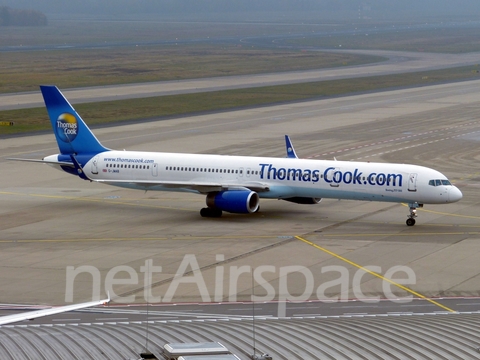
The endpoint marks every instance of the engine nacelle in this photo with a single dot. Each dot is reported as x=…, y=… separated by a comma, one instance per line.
x=234, y=201
x=304, y=200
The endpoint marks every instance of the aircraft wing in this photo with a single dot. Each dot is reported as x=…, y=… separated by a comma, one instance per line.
x=29, y=315
x=201, y=187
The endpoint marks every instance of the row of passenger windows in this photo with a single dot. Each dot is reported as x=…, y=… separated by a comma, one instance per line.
x=210, y=170
x=437, y=182
x=129, y=166
x=248, y=172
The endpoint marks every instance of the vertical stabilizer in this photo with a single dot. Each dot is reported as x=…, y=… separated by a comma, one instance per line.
x=290, y=150
x=72, y=134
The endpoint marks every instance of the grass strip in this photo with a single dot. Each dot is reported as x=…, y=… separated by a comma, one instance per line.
x=127, y=65
x=32, y=120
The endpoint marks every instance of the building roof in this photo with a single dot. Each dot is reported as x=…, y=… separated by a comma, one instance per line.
x=423, y=336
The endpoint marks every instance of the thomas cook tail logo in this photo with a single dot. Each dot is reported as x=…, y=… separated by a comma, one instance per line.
x=67, y=127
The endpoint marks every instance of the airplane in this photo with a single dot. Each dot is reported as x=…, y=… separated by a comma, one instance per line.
x=235, y=184
x=30, y=315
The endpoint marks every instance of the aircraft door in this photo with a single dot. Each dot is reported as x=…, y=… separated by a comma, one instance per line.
x=155, y=169
x=94, y=165
x=412, y=182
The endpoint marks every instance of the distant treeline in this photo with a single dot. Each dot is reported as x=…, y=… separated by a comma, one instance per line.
x=16, y=17
x=251, y=9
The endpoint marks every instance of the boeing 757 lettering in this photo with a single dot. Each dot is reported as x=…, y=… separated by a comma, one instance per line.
x=235, y=184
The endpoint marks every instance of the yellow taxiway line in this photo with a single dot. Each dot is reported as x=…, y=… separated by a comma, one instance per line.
x=373, y=273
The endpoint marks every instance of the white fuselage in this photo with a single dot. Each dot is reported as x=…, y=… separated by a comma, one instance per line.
x=276, y=177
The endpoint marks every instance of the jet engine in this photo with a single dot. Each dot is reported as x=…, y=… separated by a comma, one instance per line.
x=233, y=201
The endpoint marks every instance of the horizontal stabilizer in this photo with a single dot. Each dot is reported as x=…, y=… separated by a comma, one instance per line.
x=60, y=163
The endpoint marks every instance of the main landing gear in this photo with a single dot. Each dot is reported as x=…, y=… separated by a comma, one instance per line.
x=211, y=212
x=413, y=213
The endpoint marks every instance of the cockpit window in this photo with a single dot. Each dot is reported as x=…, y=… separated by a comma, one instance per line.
x=439, y=182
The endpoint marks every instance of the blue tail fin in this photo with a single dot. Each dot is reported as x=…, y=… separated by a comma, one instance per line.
x=290, y=150
x=72, y=134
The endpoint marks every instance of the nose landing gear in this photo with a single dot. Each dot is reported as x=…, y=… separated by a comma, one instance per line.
x=413, y=213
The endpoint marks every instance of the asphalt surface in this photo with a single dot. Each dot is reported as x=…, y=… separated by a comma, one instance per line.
x=52, y=224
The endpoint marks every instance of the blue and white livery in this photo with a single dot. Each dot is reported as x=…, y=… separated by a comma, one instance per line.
x=236, y=183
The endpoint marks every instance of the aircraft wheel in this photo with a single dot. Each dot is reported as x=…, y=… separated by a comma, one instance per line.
x=210, y=212
x=216, y=213
x=410, y=222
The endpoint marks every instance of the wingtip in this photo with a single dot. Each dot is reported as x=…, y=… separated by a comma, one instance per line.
x=108, y=299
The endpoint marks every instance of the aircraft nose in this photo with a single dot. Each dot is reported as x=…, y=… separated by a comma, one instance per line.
x=454, y=194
